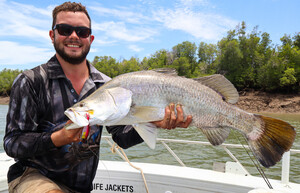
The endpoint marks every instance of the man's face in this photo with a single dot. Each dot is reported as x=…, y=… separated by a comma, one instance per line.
x=72, y=49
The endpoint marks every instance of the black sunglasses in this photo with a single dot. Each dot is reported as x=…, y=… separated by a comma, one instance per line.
x=66, y=30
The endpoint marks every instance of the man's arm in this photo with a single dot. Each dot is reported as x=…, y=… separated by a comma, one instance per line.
x=124, y=136
x=65, y=136
x=23, y=137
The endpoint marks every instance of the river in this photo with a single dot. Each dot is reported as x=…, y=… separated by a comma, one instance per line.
x=193, y=155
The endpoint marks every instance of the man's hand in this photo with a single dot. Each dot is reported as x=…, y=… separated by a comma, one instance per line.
x=64, y=136
x=170, y=120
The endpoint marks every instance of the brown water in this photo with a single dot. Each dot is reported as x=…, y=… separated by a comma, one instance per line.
x=194, y=155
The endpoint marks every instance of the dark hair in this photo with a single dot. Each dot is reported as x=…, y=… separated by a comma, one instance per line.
x=68, y=6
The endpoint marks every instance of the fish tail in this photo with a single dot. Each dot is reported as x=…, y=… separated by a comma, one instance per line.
x=274, y=138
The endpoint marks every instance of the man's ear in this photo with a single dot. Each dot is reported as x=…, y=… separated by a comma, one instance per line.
x=51, y=34
x=92, y=38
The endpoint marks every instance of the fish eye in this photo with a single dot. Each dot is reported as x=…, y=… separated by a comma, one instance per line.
x=81, y=104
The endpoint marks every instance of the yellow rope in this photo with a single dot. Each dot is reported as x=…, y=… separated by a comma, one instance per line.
x=113, y=150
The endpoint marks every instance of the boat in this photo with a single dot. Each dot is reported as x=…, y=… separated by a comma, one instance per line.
x=126, y=176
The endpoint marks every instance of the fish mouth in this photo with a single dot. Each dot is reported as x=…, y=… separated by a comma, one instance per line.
x=77, y=118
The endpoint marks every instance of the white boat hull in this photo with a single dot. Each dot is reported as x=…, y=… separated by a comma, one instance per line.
x=176, y=179
x=113, y=176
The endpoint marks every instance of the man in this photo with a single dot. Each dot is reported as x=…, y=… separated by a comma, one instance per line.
x=48, y=157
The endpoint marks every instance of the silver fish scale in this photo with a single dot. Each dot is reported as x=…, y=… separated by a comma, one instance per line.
x=205, y=105
x=151, y=92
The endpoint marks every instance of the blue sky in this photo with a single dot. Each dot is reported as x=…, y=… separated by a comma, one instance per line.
x=138, y=28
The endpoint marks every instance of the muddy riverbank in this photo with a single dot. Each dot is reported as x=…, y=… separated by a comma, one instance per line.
x=255, y=101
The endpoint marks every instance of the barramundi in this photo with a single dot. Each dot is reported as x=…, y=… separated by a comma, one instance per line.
x=139, y=98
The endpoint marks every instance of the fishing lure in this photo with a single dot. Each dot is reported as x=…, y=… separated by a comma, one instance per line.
x=86, y=130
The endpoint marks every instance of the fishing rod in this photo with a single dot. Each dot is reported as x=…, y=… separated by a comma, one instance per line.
x=256, y=163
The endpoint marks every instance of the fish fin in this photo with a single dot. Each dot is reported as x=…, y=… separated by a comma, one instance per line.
x=273, y=139
x=221, y=85
x=147, y=113
x=168, y=71
x=148, y=133
x=216, y=135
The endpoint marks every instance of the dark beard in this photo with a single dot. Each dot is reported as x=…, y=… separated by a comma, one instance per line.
x=71, y=59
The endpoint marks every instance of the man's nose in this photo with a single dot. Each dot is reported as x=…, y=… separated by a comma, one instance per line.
x=74, y=35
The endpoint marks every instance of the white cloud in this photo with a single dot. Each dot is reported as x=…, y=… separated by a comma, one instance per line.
x=103, y=41
x=93, y=50
x=119, y=30
x=30, y=9
x=24, y=21
x=138, y=23
x=199, y=24
x=13, y=53
x=24, y=27
x=122, y=13
x=135, y=48
x=127, y=24
x=193, y=3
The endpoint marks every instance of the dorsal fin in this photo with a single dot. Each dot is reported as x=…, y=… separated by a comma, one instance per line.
x=169, y=71
x=220, y=84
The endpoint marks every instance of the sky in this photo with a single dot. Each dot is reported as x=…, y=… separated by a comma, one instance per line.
x=138, y=28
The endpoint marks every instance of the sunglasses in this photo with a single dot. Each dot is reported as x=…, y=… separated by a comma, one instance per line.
x=67, y=30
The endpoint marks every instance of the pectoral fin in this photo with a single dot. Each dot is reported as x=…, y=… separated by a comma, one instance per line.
x=148, y=133
x=147, y=113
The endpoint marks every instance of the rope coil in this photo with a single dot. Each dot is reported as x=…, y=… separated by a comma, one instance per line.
x=113, y=150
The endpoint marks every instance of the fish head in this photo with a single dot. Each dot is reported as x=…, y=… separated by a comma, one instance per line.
x=103, y=107
x=80, y=114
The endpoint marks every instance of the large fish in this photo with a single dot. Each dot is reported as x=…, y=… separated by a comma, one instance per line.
x=138, y=98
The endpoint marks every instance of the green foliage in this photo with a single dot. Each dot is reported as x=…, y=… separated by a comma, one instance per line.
x=248, y=60
x=160, y=59
x=187, y=50
x=107, y=65
x=7, y=78
x=288, y=78
x=112, y=68
x=181, y=64
x=207, y=54
x=130, y=65
x=289, y=53
x=296, y=39
x=270, y=74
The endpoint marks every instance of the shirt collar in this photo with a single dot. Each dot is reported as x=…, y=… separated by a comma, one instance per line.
x=55, y=71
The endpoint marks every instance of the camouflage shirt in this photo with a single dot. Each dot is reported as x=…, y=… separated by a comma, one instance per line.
x=38, y=100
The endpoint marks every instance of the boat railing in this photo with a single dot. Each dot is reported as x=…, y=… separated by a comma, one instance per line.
x=285, y=159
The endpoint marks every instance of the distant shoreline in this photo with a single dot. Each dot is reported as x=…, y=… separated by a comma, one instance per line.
x=253, y=101
x=262, y=102
x=4, y=100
